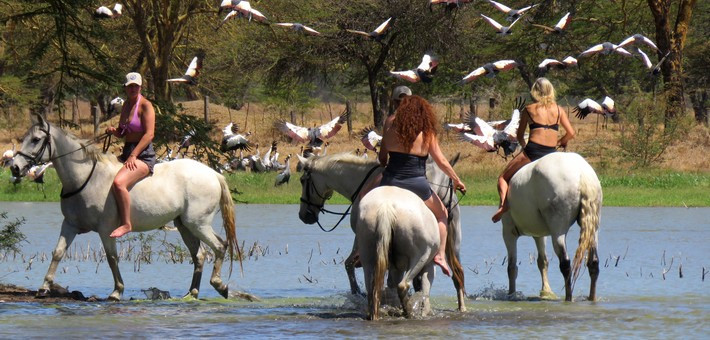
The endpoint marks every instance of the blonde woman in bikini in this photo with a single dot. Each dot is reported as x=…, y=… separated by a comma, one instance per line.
x=137, y=127
x=544, y=117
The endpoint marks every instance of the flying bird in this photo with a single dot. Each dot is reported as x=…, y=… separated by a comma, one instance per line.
x=298, y=27
x=638, y=39
x=549, y=63
x=490, y=70
x=378, y=33
x=449, y=4
x=313, y=136
x=104, y=12
x=656, y=70
x=605, y=48
x=424, y=72
x=459, y=128
x=502, y=30
x=559, y=27
x=512, y=14
x=115, y=105
x=370, y=138
x=233, y=141
x=244, y=8
x=190, y=76
x=228, y=5
x=36, y=173
x=490, y=136
x=587, y=106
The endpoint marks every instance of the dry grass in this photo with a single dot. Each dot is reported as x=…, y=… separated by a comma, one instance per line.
x=598, y=145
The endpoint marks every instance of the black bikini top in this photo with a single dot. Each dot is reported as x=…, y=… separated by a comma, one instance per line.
x=555, y=126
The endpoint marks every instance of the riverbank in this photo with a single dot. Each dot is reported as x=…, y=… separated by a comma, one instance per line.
x=637, y=189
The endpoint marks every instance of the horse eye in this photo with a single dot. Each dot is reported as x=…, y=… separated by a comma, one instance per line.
x=36, y=139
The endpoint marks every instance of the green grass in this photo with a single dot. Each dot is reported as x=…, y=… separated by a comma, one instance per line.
x=640, y=189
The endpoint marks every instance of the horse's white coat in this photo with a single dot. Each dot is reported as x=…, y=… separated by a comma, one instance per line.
x=183, y=191
x=545, y=198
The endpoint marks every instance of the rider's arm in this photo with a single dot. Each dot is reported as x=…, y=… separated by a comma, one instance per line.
x=383, y=153
x=522, y=126
x=443, y=163
x=569, y=130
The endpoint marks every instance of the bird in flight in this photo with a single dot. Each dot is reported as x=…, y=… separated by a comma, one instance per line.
x=313, y=136
x=104, y=12
x=377, y=34
x=490, y=136
x=587, y=106
x=502, y=30
x=190, y=76
x=298, y=27
x=559, y=27
x=605, y=48
x=370, y=138
x=638, y=39
x=490, y=70
x=424, y=72
x=231, y=140
x=449, y=4
x=549, y=63
x=511, y=14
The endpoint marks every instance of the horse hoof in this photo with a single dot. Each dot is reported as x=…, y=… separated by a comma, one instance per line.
x=548, y=296
x=42, y=293
x=114, y=298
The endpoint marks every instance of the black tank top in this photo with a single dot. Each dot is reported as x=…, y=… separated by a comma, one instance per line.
x=555, y=126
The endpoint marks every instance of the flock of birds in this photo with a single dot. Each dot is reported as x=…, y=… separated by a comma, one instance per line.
x=489, y=136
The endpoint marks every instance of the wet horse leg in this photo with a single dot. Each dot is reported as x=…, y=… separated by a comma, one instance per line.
x=66, y=236
x=510, y=238
x=350, y=269
x=198, y=258
x=427, y=279
x=593, y=266
x=219, y=247
x=109, y=244
x=542, y=264
x=559, y=244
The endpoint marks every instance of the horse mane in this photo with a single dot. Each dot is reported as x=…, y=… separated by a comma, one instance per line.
x=325, y=163
x=91, y=151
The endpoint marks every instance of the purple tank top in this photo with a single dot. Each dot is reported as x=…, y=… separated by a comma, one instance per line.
x=135, y=124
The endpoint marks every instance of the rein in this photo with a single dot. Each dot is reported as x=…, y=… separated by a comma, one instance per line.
x=321, y=209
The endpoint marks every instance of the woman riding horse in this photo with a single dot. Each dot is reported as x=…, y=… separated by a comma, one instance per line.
x=137, y=126
x=545, y=117
x=409, y=137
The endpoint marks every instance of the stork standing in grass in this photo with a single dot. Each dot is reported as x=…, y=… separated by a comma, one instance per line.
x=284, y=176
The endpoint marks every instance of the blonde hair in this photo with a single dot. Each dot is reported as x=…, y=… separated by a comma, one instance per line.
x=543, y=92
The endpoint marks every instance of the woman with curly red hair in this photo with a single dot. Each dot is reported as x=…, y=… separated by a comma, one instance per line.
x=409, y=137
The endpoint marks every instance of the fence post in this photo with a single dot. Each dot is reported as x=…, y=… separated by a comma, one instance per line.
x=95, y=116
x=207, y=109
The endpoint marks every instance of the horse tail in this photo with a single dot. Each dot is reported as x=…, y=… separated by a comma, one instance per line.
x=230, y=229
x=588, y=220
x=383, y=236
x=456, y=267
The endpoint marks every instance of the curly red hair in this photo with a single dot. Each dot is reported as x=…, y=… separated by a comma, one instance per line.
x=414, y=116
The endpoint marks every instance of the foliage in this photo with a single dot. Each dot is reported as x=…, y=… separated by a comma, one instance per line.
x=10, y=235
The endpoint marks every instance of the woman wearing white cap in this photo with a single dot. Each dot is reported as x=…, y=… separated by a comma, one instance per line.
x=137, y=127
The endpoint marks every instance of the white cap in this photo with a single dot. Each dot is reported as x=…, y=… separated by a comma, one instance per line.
x=134, y=78
x=399, y=91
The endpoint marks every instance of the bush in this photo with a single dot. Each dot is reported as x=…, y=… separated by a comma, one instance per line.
x=10, y=236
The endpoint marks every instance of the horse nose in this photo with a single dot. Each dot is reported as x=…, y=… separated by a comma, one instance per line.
x=307, y=217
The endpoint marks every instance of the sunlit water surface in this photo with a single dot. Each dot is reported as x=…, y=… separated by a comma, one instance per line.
x=296, y=270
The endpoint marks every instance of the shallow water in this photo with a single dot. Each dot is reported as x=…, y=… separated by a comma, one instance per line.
x=297, y=273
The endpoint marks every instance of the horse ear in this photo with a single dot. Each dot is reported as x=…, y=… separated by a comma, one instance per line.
x=38, y=119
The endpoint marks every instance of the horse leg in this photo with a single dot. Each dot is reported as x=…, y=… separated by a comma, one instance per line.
x=542, y=263
x=219, y=247
x=350, y=269
x=66, y=236
x=510, y=238
x=198, y=259
x=109, y=244
x=593, y=266
x=559, y=244
x=427, y=279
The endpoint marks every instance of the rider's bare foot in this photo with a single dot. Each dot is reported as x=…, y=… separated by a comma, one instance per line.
x=441, y=262
x=120, y=231
x=499, y=214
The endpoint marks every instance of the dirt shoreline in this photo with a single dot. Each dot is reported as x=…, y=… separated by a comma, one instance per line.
x=12, y=293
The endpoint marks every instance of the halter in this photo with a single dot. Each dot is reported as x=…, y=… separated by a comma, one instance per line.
x=47, y=144
x=321, y=209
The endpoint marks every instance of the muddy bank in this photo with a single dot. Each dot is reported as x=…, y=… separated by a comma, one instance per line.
x=12, y=293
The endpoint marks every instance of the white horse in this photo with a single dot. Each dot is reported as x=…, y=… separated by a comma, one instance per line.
x=346, y=174
x=396, y=232
x=184, y=191
x=546, y=197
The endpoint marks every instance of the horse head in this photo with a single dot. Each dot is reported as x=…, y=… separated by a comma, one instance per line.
x=314, y=190
x=35, y=148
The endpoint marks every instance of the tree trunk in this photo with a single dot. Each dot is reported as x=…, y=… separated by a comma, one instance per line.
x=699, y=99
x=673, y=41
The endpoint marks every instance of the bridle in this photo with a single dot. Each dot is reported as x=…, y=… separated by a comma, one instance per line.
x=47, y=144
x=320, y=207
